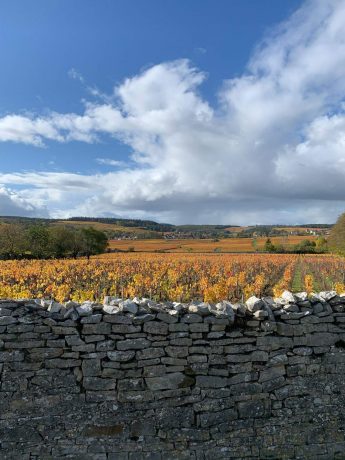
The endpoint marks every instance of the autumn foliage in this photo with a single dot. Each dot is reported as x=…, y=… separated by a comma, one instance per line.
x=181, y=277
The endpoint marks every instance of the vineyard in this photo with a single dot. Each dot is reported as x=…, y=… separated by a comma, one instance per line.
x=206, y=245
x=183, y=277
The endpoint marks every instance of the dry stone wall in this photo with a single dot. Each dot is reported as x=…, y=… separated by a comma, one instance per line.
x=136, y=379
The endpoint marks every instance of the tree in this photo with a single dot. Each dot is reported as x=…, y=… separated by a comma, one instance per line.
x=305, y=247
x=12, y=241
x=321, y=244
x=77, y=243
x=336, y=239
x=269, y=246
x=42, y=241
x=93, y=241
x=63, y=242
x=38, y=241
x=280, y=249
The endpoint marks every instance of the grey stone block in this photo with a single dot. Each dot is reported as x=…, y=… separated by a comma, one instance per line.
x=133, y=344
x=169, y=381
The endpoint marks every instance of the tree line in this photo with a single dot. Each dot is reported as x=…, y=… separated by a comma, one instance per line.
x=19, y=241
x=335, y=243
x=319, y=246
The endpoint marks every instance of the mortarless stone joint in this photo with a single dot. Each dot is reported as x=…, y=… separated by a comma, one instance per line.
x=137, y=379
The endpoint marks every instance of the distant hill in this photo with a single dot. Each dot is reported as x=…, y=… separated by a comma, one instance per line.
x=116, y=228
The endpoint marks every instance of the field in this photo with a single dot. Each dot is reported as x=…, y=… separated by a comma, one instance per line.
x=182, y=277
x=205, y=245
x=105, y=227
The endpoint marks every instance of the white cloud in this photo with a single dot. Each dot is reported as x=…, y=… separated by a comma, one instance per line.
x=273, y=150
x=110, y=162
x=75, y=75
x=13, y=203
x=27, y=130
x=200, y=50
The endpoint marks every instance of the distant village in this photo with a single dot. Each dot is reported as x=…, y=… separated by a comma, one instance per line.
x=243, y=232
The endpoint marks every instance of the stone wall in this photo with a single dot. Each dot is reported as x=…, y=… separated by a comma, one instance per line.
x=140, y=380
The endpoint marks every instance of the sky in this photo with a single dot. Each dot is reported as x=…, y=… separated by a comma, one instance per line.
x=198, y=111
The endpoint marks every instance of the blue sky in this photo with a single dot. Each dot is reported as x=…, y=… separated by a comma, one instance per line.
x=42, y=42
x=181, y=111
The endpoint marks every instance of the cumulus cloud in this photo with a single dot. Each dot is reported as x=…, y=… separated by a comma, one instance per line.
x=272, y=150
x=27, y=130
x=13, y=203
